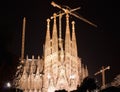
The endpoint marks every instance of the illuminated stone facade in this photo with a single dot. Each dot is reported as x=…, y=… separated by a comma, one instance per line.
x=59, y=68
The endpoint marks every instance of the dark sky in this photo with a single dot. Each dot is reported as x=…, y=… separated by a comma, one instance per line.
x=96, y=46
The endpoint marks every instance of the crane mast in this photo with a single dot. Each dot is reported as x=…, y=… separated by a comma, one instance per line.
x=102, y=71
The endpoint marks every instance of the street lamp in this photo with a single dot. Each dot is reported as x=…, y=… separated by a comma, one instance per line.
x=8, y=85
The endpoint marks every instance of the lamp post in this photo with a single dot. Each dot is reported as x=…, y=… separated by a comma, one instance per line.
x=8, y=85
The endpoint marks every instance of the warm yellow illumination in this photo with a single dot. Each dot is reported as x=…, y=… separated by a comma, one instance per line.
x=8, y=85
x=59, y=68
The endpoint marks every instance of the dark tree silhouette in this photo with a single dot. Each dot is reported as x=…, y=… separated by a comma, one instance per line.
x=10, y=90
x=60, y=91
x=116, y=81
x=88, y=84
x=111, y=89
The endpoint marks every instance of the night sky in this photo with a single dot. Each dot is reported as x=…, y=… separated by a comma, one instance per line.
x=96, y=46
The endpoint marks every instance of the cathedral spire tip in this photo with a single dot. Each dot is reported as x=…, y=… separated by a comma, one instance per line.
x=48, y=20
x=48, y=24
x=54, y=15
x=73, y=26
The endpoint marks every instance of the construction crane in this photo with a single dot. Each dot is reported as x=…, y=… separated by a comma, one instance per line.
x=23, y=39
x=102, y=71
x=67, y=11
x=60, y=14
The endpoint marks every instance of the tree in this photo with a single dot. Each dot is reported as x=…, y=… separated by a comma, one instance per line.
x=111, y=89
x=116, y=81
x=88, y=84
x=60, y=91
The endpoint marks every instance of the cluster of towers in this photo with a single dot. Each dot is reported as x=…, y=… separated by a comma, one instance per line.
x=59, y=68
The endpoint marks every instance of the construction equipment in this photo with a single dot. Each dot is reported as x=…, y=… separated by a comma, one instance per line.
x=103, y=74
x=67, y=11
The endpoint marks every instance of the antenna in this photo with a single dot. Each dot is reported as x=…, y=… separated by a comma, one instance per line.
x=71, y=13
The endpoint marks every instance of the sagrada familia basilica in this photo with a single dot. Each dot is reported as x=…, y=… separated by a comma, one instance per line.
x=59, y=68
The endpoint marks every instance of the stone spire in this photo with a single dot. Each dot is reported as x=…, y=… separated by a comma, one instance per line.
x=54, y=36
x=83, y=71
x=47, y=41
x=67, y=36
x=67, y=48
x=54, y=68
x=23, y=80
x=74, y=45
x=32, y=68
x=24, y=71
x=38, y=66
x=86, y=71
